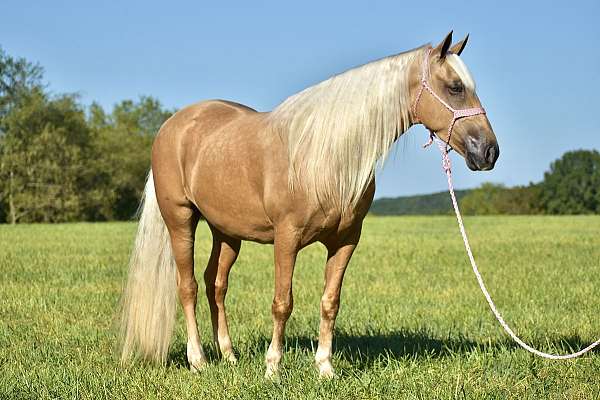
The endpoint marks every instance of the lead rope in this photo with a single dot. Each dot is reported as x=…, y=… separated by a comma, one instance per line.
x=447, y=169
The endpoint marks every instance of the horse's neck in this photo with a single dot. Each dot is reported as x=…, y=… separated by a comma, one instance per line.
x=338, y=130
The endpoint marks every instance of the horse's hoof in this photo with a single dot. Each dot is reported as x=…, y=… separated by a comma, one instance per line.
x=230, y=358
x=326, y=371
x=272, y=372
x=197, y=365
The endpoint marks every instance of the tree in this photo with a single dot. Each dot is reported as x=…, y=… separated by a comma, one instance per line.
x=122, y=142
x=493, y=199
x=17, y=77
x=42, y=153
x=572, y=186
x=58, y=163
x=483, y=200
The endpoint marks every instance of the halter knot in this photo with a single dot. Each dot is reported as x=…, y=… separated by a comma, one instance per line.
x=446, y=163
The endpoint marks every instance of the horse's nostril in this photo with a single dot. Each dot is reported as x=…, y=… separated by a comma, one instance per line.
x=491, y=153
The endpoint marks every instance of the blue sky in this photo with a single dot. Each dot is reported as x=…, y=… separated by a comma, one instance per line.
x=537, y=66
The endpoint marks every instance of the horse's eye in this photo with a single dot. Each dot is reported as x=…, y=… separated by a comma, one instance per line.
x=455, y=88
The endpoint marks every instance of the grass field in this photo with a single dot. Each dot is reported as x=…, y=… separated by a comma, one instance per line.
x=413, y=323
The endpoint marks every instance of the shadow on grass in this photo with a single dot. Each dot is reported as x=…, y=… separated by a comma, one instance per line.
x=363, y=351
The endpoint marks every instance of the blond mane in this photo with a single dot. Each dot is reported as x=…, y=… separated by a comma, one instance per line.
x=340, y=130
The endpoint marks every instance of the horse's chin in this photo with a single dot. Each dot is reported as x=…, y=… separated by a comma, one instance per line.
x=472, y=166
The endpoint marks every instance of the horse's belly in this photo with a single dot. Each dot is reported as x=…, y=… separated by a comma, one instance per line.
x=244, y=224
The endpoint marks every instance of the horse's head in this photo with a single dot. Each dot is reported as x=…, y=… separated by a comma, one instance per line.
x=445, y=102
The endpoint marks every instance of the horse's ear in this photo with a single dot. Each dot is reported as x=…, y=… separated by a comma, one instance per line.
x=460, y=46
x=442, y=48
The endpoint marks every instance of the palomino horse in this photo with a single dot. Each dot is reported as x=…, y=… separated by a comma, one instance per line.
x=299, y=174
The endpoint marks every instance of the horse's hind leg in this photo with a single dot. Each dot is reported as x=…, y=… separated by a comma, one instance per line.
x=182, y=221
x=224, y=253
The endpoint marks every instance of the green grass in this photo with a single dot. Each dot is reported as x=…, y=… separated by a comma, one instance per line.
x=413, y=323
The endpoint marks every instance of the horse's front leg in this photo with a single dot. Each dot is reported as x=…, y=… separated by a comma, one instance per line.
x=286, y=249
x=339, y=254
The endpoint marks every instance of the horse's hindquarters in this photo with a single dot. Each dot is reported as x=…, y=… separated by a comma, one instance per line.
x=212, y=155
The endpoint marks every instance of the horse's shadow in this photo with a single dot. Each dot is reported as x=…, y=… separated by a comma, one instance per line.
x=363, y=351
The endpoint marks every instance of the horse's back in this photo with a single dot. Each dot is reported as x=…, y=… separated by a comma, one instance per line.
x=219, y=108
x=187, y=128
x=213, y=112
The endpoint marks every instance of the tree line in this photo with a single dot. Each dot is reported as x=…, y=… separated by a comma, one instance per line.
x=62, y=161
x=570, y=186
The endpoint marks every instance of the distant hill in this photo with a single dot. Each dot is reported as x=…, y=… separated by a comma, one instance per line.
x=425, y=204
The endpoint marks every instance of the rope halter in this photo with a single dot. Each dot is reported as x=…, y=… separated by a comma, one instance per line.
x=456, y=114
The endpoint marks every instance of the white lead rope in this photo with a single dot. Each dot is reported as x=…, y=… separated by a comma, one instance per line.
x=446, y=164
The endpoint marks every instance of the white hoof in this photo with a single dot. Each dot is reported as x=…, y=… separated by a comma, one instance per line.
x=271, y=371
x=326, y=370
x=197, y=366
x=230, y=358
x=272, y=360
x=196, y=358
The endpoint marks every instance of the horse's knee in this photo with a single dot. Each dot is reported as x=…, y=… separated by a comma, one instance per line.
x=282, y=308
x=329, y=306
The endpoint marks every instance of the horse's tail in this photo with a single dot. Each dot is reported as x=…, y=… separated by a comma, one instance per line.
x=149, y=300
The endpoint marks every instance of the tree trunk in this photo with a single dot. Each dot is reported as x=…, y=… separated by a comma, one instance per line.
x=11, y=202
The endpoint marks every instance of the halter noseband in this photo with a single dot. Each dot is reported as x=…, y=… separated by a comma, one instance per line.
x=456, y=114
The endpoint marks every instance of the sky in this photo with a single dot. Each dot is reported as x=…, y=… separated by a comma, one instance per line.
x=536, y=64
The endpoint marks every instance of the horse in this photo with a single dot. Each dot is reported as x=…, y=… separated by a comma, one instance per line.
x=299, y=174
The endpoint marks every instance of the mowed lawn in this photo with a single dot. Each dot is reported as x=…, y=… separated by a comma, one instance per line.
x=413, y=323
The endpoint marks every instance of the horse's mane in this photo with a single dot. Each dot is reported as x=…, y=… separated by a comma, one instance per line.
x=341, y=129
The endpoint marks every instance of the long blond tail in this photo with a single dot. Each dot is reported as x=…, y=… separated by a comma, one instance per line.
x=149, y=300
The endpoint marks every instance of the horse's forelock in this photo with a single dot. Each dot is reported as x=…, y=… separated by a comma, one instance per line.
x=461, y=70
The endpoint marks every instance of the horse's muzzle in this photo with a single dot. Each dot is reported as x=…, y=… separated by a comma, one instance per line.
x=481, y=154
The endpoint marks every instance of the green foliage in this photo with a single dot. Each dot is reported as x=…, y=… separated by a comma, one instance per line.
x=17, y=76
x=488, y=199
x=124, y=141
x=572, y=186
x=427, y=204
x=495, y=199
x=43, y=149
x=59, y=163
x=412, y=323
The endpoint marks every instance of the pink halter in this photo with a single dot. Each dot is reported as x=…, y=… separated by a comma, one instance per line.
x=456, y=114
